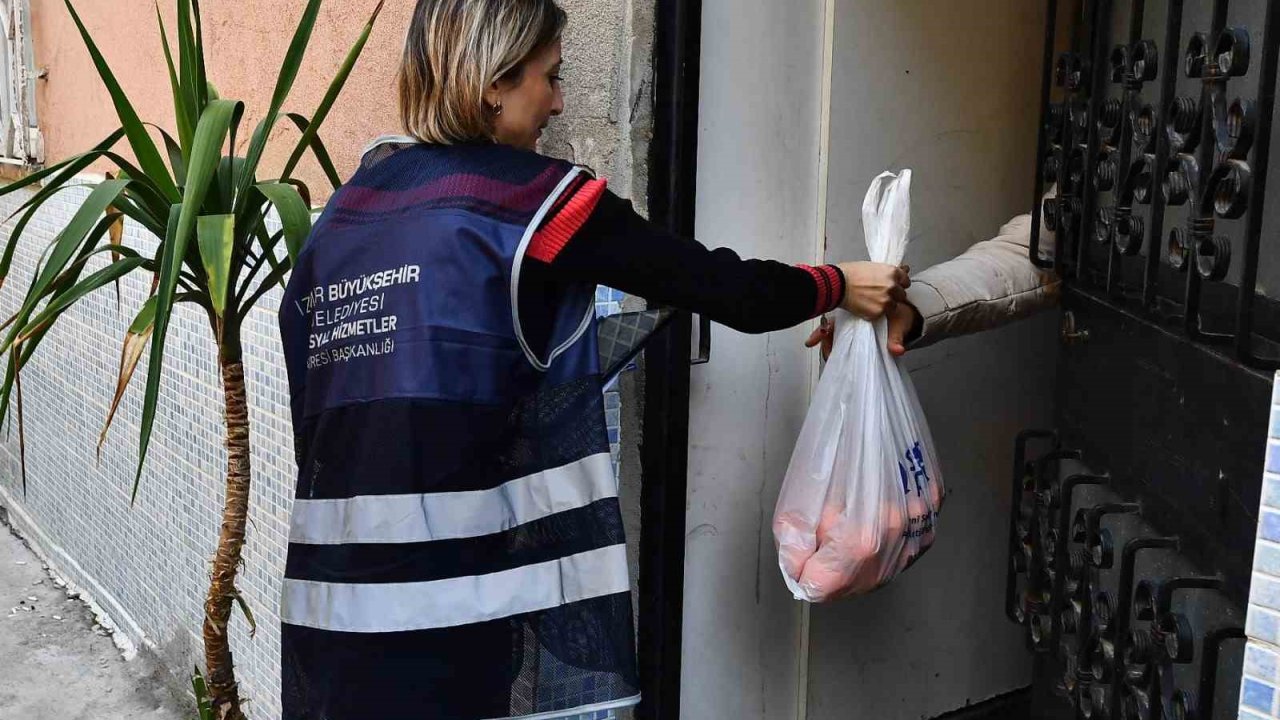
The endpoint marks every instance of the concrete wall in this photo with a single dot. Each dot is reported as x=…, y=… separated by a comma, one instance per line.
x=608, y=86
x=146, y=566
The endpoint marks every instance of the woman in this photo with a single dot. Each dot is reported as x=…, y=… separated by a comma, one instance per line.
x=456, y=547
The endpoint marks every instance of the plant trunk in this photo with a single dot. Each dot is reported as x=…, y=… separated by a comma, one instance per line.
x=221, y=677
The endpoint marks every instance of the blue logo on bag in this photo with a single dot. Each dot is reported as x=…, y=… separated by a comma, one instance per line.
x=914, y=469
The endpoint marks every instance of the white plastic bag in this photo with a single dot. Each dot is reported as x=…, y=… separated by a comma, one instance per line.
x=863, y=490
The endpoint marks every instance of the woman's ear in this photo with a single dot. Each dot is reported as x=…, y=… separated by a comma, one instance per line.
x=493, y=95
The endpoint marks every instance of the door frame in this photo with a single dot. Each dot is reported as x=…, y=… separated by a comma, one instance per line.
x=664, y=447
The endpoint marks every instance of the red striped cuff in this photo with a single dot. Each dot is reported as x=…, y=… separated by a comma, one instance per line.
x=552, y=237
x=829, y=281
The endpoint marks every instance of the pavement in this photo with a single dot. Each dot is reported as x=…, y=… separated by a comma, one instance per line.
x=58, y=663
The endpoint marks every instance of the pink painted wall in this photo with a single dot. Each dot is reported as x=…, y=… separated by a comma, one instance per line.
x=245, y=43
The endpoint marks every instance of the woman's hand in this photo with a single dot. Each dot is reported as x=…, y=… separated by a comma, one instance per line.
x=871, y=289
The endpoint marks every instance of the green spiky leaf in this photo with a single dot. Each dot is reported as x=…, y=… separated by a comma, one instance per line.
x=182, y=109
x=295, y=216
x=59, y=303
x=206, y=150
x=216, y=236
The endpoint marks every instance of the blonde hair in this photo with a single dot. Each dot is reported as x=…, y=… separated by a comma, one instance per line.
x=455, y=50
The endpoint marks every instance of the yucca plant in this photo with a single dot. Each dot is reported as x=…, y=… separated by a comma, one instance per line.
x=208, y=206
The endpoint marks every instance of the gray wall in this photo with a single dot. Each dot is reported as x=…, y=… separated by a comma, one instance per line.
x=950, y=90
x=757, y=188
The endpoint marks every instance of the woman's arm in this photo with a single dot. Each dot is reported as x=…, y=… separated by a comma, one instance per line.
x=616, y=247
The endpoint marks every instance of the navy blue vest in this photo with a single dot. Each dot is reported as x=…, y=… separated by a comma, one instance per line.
x=456, y=547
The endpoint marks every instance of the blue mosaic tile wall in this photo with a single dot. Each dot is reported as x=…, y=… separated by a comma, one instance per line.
x=1259, y=697
x=609, y=302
